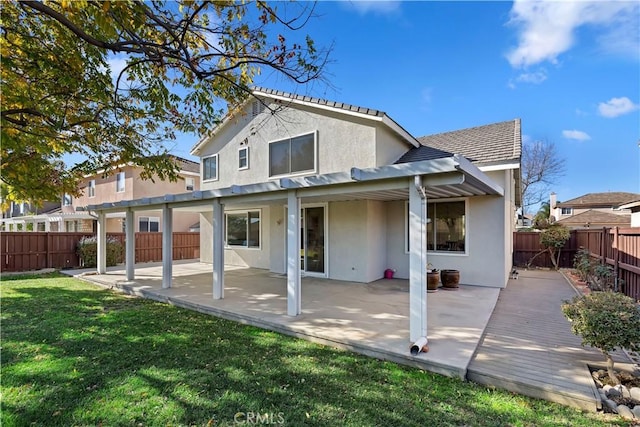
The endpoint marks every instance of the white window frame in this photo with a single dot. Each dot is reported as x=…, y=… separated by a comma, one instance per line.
x=120, y=177
x=149, y=219
x=91, y=188
x=240, y=150
x=226, y=228
x=189, y=182
x=435, y=251
x=215, y=178
x=67, y=200
x=569, y=210
x=305, y=172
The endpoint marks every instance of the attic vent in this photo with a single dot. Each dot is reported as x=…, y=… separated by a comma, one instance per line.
x=257, y=107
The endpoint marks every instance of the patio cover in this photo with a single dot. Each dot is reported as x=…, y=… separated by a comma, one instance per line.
x=453, y=176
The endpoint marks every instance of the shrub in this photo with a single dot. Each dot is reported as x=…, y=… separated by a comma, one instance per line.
x=606, y=321
x=583, y=264
x=88, y=252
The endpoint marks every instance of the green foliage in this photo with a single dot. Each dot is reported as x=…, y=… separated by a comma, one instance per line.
x=74, y=354
x=554, y=237
x=605, y=320
x=182, y=66
x=583, y=264
x=88, y=252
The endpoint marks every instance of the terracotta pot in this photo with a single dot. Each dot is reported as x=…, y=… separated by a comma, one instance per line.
x=450, y=279
x=433, y=280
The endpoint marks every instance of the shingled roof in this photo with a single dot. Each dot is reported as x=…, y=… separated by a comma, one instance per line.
x=320, y=101
x=596, y=218
x=187, y=165
x=497, y=142
x=600, y=200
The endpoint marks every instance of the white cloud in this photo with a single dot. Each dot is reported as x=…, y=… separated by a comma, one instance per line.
x=536, y=78
x=576, y=134
x=547, y=28
x=375, y=6
x=616, y=107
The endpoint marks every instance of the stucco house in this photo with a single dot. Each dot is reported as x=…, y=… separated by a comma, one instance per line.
x=305, y=186
x=362, y=230
x=593, y=210
x=124, y=184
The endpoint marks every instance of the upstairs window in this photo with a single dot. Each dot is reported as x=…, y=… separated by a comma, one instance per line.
x=92, y=188
x=67, y=200
x=293, y=155
x=120, y=182
x=190, y=184
x=210, y=168
x=566, y=211
x=243, y=158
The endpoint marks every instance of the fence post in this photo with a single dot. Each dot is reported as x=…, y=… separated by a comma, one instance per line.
x=603, y=247
x=47, y=246
x=616, y=258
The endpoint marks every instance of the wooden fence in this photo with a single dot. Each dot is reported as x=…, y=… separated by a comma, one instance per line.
x=24, y=251
x=617, y=247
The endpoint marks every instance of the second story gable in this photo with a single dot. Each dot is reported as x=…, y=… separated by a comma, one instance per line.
x=276, y=135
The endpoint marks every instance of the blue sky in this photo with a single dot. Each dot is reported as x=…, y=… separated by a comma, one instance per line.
x=569, y=70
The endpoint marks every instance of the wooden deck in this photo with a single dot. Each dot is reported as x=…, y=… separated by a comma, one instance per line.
x=528, y=346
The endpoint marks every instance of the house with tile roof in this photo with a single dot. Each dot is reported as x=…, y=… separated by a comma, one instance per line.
x=302, y=186
x=594, y=210
x=123, y=184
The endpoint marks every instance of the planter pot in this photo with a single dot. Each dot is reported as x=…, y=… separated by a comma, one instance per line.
x=433, y=280
x=450, y=279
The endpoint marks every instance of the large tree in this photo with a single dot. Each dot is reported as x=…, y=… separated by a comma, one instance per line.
x=186, y=63
x=541, y=167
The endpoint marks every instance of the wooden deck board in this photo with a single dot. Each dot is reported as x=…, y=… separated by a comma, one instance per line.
x=528, y=346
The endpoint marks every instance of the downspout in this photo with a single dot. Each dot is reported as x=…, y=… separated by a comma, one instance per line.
x=421, y=344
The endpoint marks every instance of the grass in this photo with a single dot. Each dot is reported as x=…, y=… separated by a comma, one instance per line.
x=76, y=354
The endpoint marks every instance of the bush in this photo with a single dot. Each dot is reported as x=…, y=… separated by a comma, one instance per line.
x=606, y=321
x=88, y=252
x=583, y=264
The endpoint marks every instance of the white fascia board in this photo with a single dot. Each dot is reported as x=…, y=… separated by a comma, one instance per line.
x=476, y=177
x=499, y=167
x=630, y=205
x=400, y=130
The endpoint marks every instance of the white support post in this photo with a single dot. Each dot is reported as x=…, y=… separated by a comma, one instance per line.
x=101, y=237
x=218, y=250
x=130, y=245
x=47, y=226
x=417, y=261
x=294, y=300
x=167, y=246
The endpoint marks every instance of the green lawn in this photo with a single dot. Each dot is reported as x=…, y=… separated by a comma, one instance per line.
x=76, y=354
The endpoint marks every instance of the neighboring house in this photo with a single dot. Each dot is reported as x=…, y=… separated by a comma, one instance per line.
x=634, y=207
x=355, y=235
x=593, y=210
x=123, y=184
x=15, y=213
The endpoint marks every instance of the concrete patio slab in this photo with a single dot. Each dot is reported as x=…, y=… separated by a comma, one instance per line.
x=371, y=319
